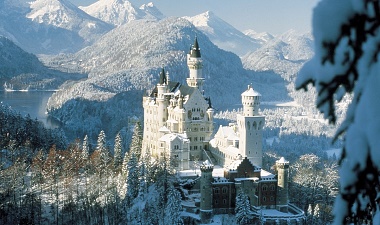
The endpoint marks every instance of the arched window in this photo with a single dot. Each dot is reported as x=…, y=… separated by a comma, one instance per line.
x=224, y=190
x=254, y=125
x=216, y=191
x=248, y=125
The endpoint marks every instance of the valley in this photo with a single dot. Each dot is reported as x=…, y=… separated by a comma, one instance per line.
x=101, y=60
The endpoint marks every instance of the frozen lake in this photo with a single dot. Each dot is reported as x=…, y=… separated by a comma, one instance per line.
x=32, y=103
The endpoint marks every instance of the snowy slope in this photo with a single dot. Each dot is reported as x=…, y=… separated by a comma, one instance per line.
x=262, y=37
x=63, y=14
x=130, y=57
x=128, y=60
x=118, y=12
x=48, y=26
x=223, y=34
x=151, y=11
x=284, y=55
x=22, y=70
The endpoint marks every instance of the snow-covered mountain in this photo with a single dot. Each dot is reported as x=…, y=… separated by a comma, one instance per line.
x=284, y=55
x=22, y=70
x=129, y=58
x=118, y=12
x=49, y=26
x=223, y=34
x=152, y=11
x=262, y=37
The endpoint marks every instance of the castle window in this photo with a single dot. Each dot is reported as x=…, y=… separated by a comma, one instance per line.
x=264, y=199
x=224, y=190
x=272, y=187
x=271, y=198
x=224, y=201
x=216, y=202
x=216, y=191
x=265, y=188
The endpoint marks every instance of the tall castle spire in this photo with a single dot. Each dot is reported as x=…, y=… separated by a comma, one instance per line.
x=194, y=62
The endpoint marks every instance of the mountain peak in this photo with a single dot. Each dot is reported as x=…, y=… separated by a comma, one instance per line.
x=152, y=11
x=60, y=13
x=223, y=34
x=118, y=12
x=49, y=26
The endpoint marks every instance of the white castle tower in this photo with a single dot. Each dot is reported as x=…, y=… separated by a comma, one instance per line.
x=162, y=89
x=194, y=62
x=250, y=127
x=178, y=119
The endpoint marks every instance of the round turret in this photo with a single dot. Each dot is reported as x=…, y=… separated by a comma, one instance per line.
x=251, y=101
x=282, y=184
x=194, y=62
x=206, y=191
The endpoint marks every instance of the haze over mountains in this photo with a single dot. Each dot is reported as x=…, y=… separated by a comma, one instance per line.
x=122, y=47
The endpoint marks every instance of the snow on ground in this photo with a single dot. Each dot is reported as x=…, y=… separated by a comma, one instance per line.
x=281, y=104
x=217, y=172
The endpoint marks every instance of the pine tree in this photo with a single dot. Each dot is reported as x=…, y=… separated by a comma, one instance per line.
x=173, y=207
x=101, y=147
x=145, y=176
x=243, y=208
x=136, y=143
x=309, y=215
x=346, y=62
x=85, y=148
x=118, y=149
x=132, y=180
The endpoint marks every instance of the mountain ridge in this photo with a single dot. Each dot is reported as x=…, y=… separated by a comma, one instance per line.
x=49, y=27
x=23, y=70
x=119, y=12
x=223, y=34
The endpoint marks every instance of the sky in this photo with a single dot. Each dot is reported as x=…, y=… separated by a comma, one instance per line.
x=273, y=16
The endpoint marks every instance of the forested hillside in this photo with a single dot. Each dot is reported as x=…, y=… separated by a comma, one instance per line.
x=23, y=70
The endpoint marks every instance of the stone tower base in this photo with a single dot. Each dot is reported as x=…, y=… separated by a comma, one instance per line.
x=206, y=216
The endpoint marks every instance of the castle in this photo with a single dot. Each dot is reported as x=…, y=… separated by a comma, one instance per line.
x=178, y=124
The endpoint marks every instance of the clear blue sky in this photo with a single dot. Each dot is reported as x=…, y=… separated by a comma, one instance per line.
x=273, y=16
